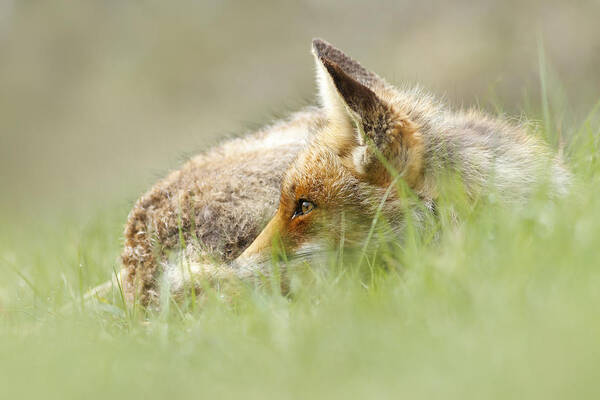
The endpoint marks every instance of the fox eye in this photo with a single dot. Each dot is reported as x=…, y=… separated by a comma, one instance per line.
x=303, y=207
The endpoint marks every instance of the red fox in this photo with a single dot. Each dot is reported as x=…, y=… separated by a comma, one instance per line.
x=324, y=164
x=375, y=132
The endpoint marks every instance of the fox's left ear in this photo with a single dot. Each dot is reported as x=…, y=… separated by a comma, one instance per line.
x=367, y=126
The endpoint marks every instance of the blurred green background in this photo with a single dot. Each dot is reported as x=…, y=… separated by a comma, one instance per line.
x=99, y=98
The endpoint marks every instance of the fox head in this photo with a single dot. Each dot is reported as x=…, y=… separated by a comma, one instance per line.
x=342, y=179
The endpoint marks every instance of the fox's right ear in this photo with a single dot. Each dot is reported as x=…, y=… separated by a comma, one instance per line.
x=366, y=126
x=329, y=95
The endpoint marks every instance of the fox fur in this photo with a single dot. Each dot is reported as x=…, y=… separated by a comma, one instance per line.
x=323, y=165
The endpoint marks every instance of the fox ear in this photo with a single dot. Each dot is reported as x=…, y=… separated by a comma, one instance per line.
x=326, y=56
x=359, y=101
x=352, y=98
x=323, y=50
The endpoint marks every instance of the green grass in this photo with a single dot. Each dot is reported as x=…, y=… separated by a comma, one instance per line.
x=505, y=305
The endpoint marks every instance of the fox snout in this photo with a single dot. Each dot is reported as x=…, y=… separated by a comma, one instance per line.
x=260, y=249
x=285, y=232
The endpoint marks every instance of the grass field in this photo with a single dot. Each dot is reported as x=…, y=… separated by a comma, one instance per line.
x=506, y=305
x=98, y=99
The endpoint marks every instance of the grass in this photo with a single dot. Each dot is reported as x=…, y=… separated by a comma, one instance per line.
x=506, y=305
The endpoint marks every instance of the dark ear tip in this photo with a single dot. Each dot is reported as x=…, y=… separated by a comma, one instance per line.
x=319, y=46
x=318, y=42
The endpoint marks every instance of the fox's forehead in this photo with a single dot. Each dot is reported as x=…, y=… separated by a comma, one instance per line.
x=317, y=173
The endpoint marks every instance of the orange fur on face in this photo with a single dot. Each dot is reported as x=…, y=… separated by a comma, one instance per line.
x=315, y=176
x=320, y=176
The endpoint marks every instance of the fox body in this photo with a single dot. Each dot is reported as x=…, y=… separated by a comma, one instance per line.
x=211, y=209
x=327, y=167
